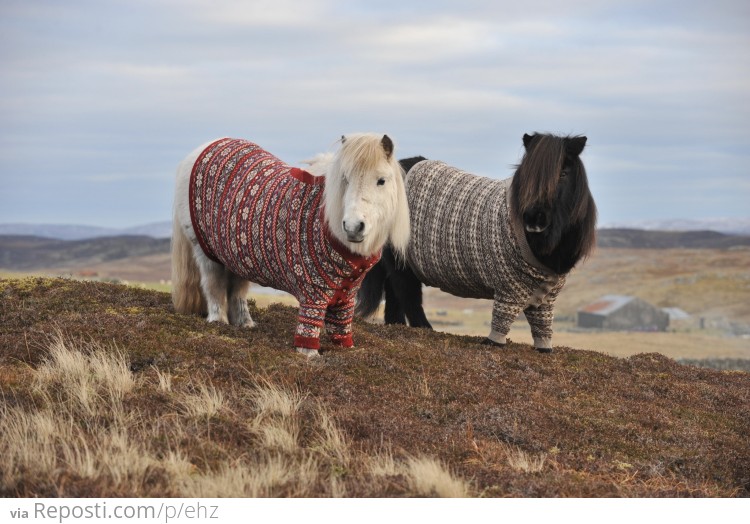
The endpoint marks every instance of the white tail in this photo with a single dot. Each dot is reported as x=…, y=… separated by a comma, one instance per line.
x=186, y=279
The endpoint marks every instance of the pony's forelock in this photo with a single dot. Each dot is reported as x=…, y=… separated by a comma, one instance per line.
x=536, y=177
x=360, y=153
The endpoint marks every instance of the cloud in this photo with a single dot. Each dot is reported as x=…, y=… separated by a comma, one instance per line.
x=258, y=14
x=107, y=91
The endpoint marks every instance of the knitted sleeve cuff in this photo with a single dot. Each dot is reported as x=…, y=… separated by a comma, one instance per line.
x=306, y=342
x=497, y=338
x=344, y=340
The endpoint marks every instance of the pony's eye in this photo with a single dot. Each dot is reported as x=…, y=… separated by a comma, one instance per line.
x=381, y=181
x=564, y=173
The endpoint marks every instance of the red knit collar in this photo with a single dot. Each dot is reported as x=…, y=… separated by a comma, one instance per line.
x=354, y=259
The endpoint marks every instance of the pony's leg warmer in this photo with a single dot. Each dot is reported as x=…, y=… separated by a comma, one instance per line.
x=540, y=320
x=503, y=315
x=310, y=320
x=338, y=323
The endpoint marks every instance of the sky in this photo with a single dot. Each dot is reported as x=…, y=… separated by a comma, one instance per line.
x=100, y=100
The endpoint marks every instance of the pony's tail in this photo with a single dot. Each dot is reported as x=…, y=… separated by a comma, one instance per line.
x=186, y=279
x=371, y=291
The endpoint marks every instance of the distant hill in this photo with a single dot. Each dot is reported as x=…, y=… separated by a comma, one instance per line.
x=732, y=226
x=78, y=232
x=638, y=238
x=692, y=234
x=25, y=252
x=30, y=252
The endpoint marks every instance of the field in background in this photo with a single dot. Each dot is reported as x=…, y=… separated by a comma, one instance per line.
x=711, y=284
x=706, y=283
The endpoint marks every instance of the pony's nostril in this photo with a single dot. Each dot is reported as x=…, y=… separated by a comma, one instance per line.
x=354, y=229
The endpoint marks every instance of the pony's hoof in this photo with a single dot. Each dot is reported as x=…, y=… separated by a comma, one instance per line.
x=309, y=353
x=544, y=350
x=490, y=342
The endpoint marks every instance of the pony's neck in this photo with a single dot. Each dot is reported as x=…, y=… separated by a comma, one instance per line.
x=563, y=258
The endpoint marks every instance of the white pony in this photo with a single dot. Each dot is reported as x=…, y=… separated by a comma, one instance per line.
x=242, y=215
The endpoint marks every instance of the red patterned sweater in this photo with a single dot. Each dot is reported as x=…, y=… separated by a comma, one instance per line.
x=263, y=220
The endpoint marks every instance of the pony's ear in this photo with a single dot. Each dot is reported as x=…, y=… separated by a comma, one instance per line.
x=527, y=140
x=574, y=146
x=387, y=144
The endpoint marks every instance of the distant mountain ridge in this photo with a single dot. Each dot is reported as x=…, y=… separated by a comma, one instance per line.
x=729, y=226
x=641, y=239
x=26, y=252
x=79, y=232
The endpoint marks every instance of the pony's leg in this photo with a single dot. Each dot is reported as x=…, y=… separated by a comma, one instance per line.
x=214, y=283
x=238, y=313
x=403, y=293
x=394, y=312
x=408, y=289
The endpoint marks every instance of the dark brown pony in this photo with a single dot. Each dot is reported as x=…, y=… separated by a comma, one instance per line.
x=549, y=193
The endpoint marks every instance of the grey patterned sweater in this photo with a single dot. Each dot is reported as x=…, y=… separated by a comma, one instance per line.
x=464, y=241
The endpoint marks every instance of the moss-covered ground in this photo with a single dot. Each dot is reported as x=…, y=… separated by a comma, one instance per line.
x=600, y=425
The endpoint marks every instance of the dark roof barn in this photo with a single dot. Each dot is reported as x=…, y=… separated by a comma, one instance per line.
x=622, y=312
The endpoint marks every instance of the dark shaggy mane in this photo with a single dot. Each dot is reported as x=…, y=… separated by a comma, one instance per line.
x=535, y=184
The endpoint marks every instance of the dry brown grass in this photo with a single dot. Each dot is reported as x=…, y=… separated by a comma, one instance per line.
x=205, y=401
x=165, y=380
x=84, y=376
x=80, y=428
x=429, y=478
x=522, y=461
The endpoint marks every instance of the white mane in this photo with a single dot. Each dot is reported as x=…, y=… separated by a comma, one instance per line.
x=319, y=164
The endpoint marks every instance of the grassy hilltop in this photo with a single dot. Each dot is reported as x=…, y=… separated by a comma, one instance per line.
x=106, y=392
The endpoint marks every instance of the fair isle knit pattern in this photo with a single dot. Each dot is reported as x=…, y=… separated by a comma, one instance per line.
x=465, y=241
x=263, y=220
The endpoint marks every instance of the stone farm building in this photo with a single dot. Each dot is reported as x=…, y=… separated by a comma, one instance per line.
x=620, y=313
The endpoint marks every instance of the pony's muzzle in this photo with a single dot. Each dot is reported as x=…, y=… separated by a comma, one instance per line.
x=536, y=221
x=355, y=230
